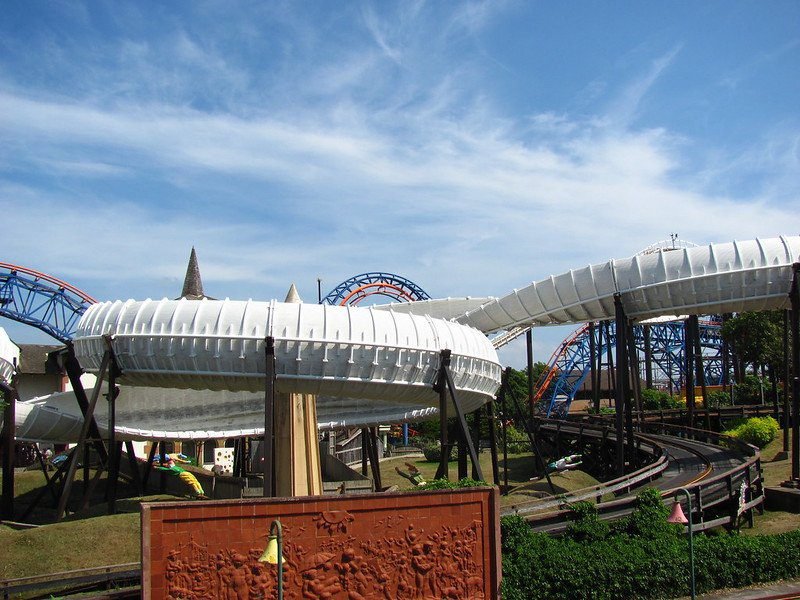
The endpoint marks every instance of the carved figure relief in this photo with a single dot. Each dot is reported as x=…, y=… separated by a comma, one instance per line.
x=408, y=564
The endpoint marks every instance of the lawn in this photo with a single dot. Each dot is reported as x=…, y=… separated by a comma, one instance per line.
x=91, y=538
x=520, y=471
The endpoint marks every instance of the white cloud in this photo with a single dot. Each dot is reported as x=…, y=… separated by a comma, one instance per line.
x=382, y=153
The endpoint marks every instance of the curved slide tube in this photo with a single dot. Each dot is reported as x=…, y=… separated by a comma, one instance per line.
x=195, y=369
x=718, y=278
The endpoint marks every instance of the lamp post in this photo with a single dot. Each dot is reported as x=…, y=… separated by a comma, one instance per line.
x=273, y=553
x=677, y=516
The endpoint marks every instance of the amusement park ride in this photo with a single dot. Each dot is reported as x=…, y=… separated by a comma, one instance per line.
x=387, y=363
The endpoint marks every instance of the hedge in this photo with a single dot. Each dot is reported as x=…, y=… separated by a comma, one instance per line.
x=632, y=559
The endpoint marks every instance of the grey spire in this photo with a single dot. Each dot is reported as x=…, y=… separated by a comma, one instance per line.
x=192, y=284
x=292, y=297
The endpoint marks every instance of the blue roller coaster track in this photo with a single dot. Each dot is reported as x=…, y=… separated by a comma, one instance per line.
x=356, y=288
x=570, y=364
x=42, y=301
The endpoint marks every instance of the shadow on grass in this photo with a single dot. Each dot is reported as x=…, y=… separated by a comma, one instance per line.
x=30, y=486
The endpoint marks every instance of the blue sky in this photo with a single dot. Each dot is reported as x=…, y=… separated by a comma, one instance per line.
x=472, y=147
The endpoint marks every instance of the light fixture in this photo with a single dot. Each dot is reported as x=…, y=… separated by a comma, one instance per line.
x=273, y=553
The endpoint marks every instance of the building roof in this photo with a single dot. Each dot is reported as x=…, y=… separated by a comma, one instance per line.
x=38, y=359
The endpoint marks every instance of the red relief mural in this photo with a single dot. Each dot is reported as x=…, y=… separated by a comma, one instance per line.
x=417, y=546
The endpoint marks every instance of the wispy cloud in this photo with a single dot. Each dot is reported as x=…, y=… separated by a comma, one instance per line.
x=626, y=105
x=371, y=139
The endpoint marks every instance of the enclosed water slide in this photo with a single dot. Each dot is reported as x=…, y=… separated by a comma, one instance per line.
x=196, y=369
x=718, y=278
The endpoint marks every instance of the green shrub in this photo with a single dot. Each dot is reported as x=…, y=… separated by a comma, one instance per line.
x=719, y=398
x=536, y=565
x=432, y=451
x=517, y=440
x=749, y=390
x=585, y=525
x=604, y=410
x=758, y=431
x=658, y=400
x=649, y=518
x=444, y=484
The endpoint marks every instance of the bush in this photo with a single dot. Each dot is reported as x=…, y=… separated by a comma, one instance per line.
x=719, y=398
x=649, y=519
x=517, y=440
x=749, y=391
x=658, y=400
x=585, y=525
x=432, y=451
x=758, y=431
x=604, y=410
x=536, y=565
x=444, y=484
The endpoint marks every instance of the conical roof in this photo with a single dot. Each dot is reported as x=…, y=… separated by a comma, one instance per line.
x=292, y=296
x=192, y=284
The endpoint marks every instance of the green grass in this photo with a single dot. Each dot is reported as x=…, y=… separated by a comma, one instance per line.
x=520, y=471
x=90, y=538
x=70, y=545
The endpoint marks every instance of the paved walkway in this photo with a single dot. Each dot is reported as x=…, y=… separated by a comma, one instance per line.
x=774, y=591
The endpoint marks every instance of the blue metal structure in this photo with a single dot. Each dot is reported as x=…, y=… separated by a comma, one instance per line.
x=356, y=288
x=571, y=363
x=42, y=301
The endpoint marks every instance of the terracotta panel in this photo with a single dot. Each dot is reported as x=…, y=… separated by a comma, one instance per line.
x=414, y=545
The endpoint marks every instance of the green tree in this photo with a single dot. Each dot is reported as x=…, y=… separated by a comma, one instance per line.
x=518, y=380
x=757, y=338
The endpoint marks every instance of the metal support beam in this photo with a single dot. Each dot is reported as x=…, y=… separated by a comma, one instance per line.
x=47, y=479
x=269, y=419
x=462, y=422
x=593, y=369
x=113, y=448
x=364, y=451
x=648, y=358
x=622, y=377
x=503, y=423
x=8, y=443
x=492, y=422
x=786, y=380
x=148, y=468
x=462, y=456
x=444, y=369
x=443, y=472
x=634, y=382
x=374, y=460
x=699, y=370
x=87, y=421
x=134, y=466
x=74, y=371
x=794, y=296
x=688, y=336
x=529, y=354
x=529, y=430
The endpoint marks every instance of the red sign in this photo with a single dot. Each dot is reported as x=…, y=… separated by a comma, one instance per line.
x=418, y=545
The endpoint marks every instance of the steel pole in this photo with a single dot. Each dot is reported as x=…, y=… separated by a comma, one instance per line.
x=619, y=400
x=794, y=296
x=593, y=372
x=691, y=538
x=503, y=408
x=786, y=381
x=269, y=418
x=529, y=352
x=7, y=508
x=443, y=472
x=688, y=350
